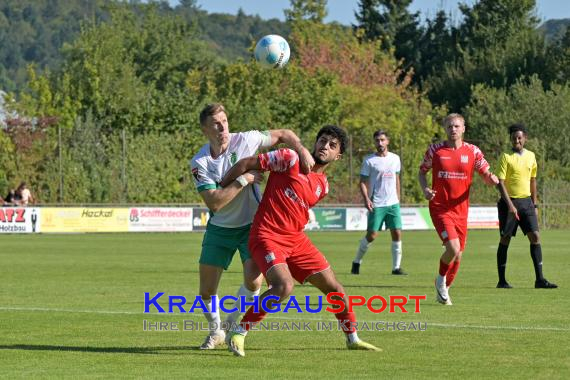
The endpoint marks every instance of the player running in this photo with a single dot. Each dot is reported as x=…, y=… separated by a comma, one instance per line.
x=380, y=189
x=277, y=242
x=232, y=208
x=518, y=205
x=452, y=163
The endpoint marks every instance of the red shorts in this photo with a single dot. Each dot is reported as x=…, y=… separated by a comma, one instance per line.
x=450, y=226
x=298, y=253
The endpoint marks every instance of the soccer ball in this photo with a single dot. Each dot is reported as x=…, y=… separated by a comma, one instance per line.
x=272, y=51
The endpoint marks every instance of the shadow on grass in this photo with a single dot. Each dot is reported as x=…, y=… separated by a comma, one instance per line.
x=115, y=350
x=146, y=350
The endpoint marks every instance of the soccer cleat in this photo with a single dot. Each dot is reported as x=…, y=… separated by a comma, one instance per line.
x=399, y=272
x=503, y=285
x=544, y=284
x=442, y=296
x=355, y=268
x=213, y=340
x=362, y=345
x=236, y=342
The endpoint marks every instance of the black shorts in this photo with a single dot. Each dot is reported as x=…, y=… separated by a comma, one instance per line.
x=527, y=216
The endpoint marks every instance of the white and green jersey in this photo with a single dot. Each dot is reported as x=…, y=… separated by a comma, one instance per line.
x=382, y=173
x=208, y=173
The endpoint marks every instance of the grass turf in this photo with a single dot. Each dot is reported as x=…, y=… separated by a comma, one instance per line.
x=71, y=307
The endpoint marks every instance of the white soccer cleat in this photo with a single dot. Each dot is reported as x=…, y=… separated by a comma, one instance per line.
x=441, y=293
x=214, y=340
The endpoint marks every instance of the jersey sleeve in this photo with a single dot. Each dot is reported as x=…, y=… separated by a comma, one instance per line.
x=365, y=169
x=503, y=164
x=481, y=164
x=280, y=160
x=200, y=176
x=534, y=167
x=398, y=165
x=257, y=140
x=426, y=164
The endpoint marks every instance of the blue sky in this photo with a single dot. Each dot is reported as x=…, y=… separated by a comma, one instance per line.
x=343, y=10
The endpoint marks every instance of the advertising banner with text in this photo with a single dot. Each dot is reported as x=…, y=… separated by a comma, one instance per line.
x=19, y=220
x=84, y=219
x=160, y=219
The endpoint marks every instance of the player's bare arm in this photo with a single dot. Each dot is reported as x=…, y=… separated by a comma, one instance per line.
x=489, y=178
x=505, y=195
x=429, y=193
x=248, y=166
x=289, y=138
x=364, y=191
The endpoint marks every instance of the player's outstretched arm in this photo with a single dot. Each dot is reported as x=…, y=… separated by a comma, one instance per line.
x=489, y=178
x=241, y=169
x=289, y=138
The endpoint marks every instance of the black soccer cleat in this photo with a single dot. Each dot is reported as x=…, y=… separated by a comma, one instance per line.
x=355, y=268
x=544, y=284
x=399, y=272
x=503, y=285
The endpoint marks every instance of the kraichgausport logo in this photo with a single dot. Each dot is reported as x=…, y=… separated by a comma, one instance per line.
x=375, y=304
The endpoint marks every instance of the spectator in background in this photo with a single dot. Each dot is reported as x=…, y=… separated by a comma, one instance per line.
x=24, y=195
x=10, y=199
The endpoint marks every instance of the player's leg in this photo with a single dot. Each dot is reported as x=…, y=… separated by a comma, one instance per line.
x=507, y=228
x=327, y=283
x=210, y=276
x=375, y=220
x=394, y=223
x=281, y=285
x=446, y=230
x=252, y=280
x=529, y=226
x=461, y=230
x=218, y=247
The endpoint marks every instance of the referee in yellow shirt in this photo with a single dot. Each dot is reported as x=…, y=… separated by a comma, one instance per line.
x=518, y=205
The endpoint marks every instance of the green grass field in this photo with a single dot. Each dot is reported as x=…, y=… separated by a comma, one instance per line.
x=71, y=306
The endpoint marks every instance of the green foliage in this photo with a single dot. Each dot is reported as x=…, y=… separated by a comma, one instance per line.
x=307, y=10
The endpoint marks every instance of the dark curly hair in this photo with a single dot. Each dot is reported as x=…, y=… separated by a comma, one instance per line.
x=337, y=132
x=517, y=128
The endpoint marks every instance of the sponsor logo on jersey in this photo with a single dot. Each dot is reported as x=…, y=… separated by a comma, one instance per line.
x=233, y=158
x=319, y=191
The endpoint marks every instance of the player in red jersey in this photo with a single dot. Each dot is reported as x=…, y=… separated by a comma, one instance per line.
x=277, y=242
x=452, y=163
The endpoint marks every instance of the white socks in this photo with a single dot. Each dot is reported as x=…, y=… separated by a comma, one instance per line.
x=213, y=318
x=396, y=254
x=362, y=248
x=243, y=291
x=352, y=337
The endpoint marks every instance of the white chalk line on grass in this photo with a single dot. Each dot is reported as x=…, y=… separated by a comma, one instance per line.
x=150, y=315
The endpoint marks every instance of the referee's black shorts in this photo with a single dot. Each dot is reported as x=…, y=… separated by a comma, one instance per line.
x=527, y=216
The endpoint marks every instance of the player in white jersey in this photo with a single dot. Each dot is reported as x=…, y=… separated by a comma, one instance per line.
x=231, y=208
x=380, y=189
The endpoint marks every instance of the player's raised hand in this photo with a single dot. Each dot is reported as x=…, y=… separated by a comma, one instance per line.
x=306, y=160
x=429, y=193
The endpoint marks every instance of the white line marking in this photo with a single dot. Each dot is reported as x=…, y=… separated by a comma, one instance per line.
x=435, y=324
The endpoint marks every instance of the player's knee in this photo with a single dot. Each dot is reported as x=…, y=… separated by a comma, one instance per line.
x=283, y=288
x=534, y=237
x=371, y=236
x=505, y=240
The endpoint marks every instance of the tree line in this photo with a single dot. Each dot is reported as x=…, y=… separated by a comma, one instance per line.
x=115, y=120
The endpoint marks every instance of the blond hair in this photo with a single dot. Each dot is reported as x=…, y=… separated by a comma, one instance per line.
x=452, y=116
x=211, y=110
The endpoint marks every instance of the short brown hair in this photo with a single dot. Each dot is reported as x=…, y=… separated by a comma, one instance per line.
x=211, y=110
x=452, y=116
